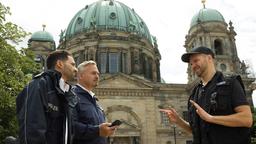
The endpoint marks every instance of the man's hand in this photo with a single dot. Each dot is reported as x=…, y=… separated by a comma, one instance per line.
x=175, y=118
x=172, y=114
x=201, y=112
x=106, y=131
x=241, y=118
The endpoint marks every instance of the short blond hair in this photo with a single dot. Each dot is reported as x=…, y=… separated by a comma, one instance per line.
x=82, y=65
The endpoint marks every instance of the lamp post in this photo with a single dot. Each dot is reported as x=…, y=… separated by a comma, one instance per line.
x=174, y=133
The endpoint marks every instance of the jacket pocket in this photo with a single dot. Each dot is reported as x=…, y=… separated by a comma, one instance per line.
x=223, y=100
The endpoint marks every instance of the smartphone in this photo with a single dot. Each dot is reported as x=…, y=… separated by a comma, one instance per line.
x=116, y=123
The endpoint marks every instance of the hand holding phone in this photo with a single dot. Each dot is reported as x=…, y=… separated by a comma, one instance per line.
x=116, y=123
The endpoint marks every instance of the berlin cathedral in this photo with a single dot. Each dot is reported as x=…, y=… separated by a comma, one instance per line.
x=131, y=88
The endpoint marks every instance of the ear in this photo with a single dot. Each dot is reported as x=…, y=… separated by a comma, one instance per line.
x=80, y=75
x=209, y=57
x=59, y=64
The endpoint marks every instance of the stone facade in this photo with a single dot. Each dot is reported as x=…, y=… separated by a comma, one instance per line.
x=136, y=102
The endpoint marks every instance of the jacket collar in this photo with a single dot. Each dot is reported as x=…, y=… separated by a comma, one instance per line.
x=218, y=77
x=90, y=92
x=82, y=92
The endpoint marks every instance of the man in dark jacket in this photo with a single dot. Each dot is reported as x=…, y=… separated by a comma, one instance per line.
x=44, y=107
x=217, y=108
x=90, y=125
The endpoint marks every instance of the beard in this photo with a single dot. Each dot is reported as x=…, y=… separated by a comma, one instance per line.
x=200, y=70
x=71, y=76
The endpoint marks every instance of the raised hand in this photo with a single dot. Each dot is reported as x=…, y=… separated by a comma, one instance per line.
x=201, y=112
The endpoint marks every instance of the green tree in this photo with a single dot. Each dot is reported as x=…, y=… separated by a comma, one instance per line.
x=15, y=70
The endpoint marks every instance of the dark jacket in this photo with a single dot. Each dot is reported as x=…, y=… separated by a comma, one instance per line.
x=42, y=111
x=88, y=115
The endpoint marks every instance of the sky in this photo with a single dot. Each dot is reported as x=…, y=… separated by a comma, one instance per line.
x=168, y=20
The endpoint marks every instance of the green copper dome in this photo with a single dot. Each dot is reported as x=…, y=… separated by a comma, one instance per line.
x=207, y=15
x=42, y=36
x=105, y=15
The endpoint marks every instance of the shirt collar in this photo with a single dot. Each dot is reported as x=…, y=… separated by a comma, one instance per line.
x=90, y=92
x=63, y=85
x=214, y=78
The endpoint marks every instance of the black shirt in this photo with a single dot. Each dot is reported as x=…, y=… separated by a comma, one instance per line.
x=219, y=98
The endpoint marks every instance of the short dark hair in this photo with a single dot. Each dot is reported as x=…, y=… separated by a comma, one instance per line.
x=54, y=56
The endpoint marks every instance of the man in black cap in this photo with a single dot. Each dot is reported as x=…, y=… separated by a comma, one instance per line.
x=217, y=108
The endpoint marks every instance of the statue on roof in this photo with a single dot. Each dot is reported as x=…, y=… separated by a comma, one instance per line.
x=62, y=34
x=243, y=67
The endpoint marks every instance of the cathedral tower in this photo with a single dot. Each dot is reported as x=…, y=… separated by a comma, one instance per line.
x=41, y=43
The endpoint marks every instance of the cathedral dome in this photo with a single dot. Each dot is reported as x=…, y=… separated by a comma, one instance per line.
x=207, y=15
x=42, y=36
x=107, y=15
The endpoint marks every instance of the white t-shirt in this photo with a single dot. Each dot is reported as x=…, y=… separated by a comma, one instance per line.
x=65, y=88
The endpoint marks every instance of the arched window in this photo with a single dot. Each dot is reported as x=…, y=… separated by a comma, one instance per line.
x=79, y=24
x=201, y=41
x=114, y=60
x=218, y=47
x=103, y=62
x=148, y=68
x=164, y=119
x=223, y=67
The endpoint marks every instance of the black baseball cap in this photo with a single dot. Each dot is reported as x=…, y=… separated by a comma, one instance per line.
x=197, y=50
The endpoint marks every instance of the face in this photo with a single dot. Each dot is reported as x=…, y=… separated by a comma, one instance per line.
x=89, y=77
x=68, y=69
x=199, y=64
